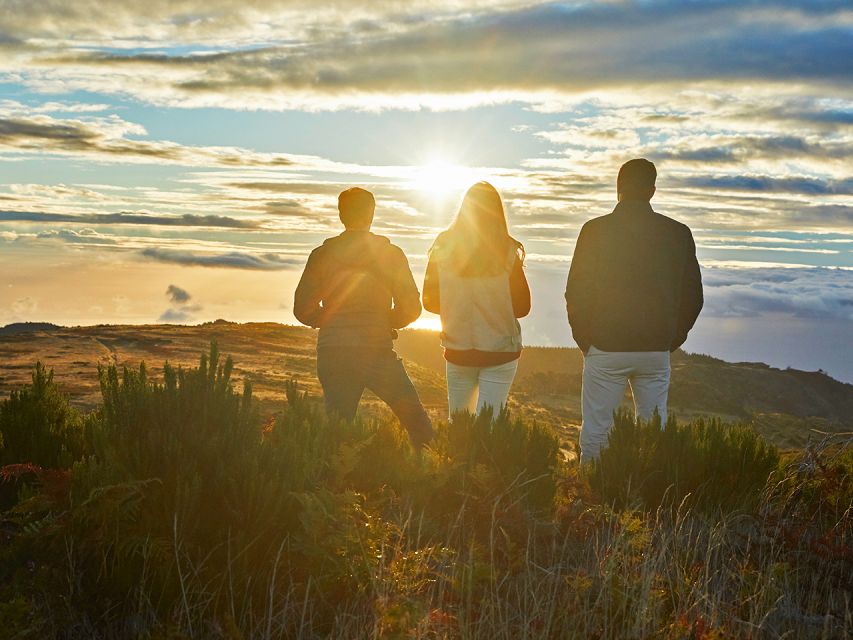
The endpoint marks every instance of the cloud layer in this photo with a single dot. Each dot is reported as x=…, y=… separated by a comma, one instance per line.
x=397, y=57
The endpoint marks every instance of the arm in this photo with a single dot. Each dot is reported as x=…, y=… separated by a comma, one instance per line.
x=519, y=289
x=307, y=300
x=580, y=289
x=432, y=291
x=691, y=299
x=404, y=291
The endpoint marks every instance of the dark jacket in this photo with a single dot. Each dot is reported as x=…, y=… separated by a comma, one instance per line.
x=357, y=288
x=634, y=283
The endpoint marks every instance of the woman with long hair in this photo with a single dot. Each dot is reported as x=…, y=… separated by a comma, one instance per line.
x=475, y=280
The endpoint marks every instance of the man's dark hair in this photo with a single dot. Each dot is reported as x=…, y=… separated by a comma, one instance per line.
x=356, y=207
x=636, y=178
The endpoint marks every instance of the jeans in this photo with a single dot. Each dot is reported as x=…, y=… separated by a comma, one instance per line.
x=605, y=374
x=472, y=388
x=345, y=372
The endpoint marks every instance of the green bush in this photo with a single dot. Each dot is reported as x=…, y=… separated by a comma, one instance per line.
x=39, y=431
x=188, y=516
x=39, y=426
x=502, y=455
x=714, y=465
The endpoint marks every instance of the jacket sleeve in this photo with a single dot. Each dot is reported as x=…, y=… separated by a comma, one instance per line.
x=432, y=290
x=691, y=299
x=580, y=289
x=307, y=301
x=519, y=290
x=404, y=292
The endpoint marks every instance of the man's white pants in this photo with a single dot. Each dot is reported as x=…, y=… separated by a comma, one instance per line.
x=605, y=374
x=472, y=388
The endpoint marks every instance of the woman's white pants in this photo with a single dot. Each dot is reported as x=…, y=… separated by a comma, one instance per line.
x=472, y=388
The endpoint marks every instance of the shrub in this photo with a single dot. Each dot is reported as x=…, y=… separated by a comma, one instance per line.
x=503, y=455
x=39, y=426
x=192, y=518
x=717, y=466
x=39, y=430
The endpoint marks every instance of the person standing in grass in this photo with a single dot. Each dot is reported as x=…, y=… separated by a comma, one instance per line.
x=633, y=293
x=475, y=281
x=358, y=289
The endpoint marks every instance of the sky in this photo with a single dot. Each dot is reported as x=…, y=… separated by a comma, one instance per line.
x=176, y=160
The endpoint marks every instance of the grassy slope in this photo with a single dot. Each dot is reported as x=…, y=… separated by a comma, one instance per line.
x=782, y=404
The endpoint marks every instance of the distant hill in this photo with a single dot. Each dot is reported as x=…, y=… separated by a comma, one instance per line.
x=782, y=404
x=27, y=327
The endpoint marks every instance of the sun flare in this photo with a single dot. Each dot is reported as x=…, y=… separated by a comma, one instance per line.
x=442, y=178
x=427, y=322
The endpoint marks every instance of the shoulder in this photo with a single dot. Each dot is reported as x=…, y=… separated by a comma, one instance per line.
x=598, y=222
x=594, y=227
x=391, y=251
x=380, y=245
x=317, y=253
x=674, y=226
x=441, y=241
x=439, y=249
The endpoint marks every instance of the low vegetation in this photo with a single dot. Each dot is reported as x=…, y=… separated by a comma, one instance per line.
x=175, y=510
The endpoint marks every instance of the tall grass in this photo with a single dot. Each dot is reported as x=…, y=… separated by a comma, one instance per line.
x=186, y=514
x=714, y=466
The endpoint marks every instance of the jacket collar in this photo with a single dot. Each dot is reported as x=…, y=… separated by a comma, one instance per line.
x=633, y=208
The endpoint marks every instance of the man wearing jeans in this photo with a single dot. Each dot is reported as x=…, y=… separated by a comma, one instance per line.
x=358, y=289
x=633, y=293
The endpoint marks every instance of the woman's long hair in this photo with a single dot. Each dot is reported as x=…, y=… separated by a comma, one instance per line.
x=478, y=243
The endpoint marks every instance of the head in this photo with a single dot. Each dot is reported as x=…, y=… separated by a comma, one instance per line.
x=636, y=180
x=481, y=213
x=356, y=207
x=478, y=240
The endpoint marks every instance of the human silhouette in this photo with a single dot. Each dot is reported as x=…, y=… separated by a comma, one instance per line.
x=634, y=291
x=475, y=280
x=358, y=289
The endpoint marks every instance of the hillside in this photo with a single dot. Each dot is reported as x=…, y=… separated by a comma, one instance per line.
x=782, y=404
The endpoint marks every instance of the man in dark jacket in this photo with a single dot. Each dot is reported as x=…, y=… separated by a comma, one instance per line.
x=358, y=289
x=633, y=293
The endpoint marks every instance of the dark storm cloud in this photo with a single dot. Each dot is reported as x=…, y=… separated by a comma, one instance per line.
x=234, y=259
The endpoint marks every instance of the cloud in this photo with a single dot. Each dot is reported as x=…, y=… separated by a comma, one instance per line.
x=180, y=309
x=234, y=259
x=176, y=315
x=133, y=218
x=85, y=236
x=177, y=295
x=769, y=184
x=737, y=149
x=106, y=139
x=465, y=56
x=752, y=292
x=24, y=307
x=217, y=21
